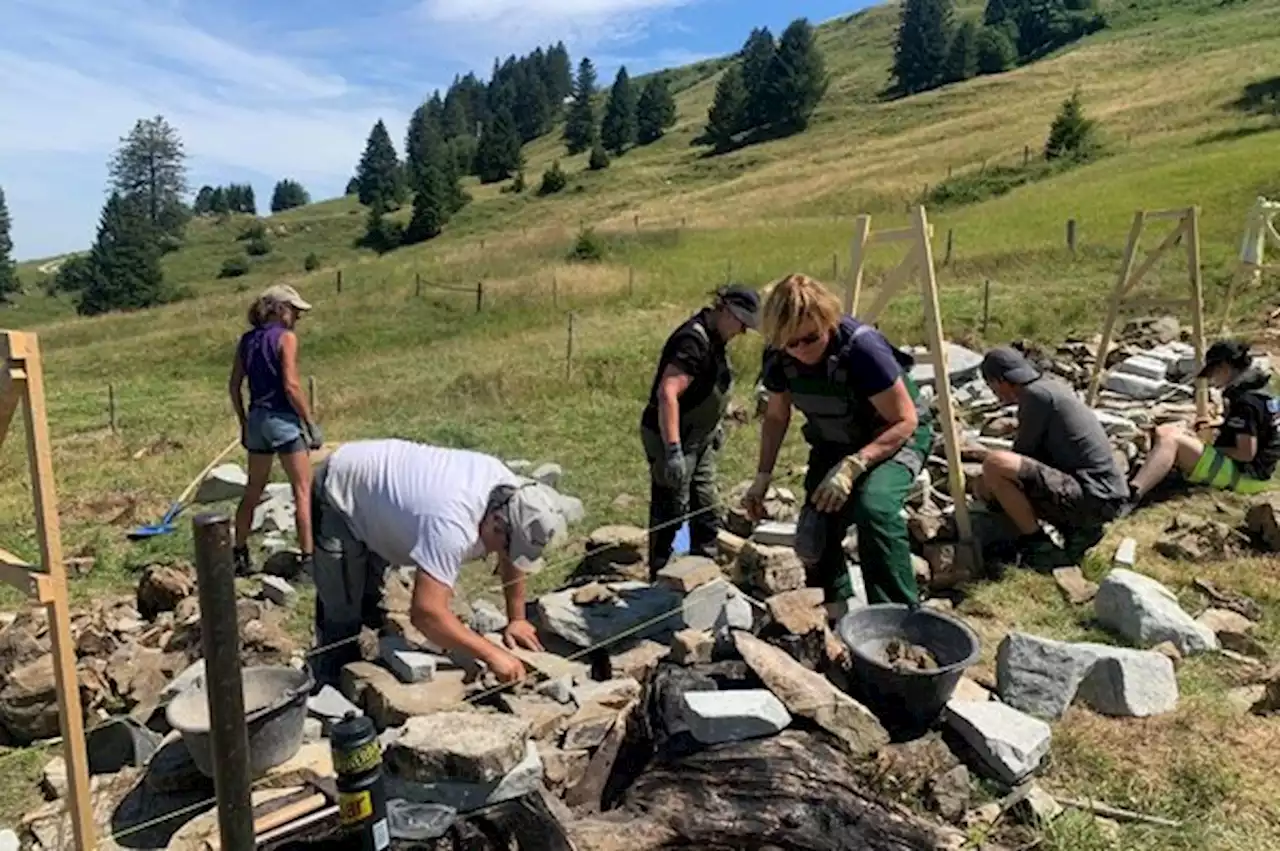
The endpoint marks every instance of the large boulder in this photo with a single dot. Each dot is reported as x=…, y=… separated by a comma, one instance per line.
x=29, y=702
x=1009, y=744
x=1146, y=613
x=468, y=746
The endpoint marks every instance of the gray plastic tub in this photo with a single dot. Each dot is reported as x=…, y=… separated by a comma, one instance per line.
x=275, y=703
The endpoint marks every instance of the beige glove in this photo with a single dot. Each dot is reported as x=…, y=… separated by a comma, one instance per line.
x=753, y=501
x=834, y=491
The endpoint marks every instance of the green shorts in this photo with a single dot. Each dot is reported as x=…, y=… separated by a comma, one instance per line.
x=1218, y=471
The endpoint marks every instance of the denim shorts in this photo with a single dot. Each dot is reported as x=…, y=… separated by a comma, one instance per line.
x=274, y=432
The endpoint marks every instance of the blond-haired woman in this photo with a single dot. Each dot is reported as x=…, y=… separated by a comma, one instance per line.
x=278, y=420
x=867, y=431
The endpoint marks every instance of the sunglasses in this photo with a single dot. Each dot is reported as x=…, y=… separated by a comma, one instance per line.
x=807, y=340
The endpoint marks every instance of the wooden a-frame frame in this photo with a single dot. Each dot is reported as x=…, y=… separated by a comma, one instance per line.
x=22, y=383
x=918, y=263
x=1187, y=230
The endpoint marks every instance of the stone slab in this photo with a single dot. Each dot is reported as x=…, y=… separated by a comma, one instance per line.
x=1009, y=743
x=715, y=717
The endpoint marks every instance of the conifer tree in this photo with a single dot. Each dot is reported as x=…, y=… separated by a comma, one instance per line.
x=287, y=195
x=1072, y=134
x=218, y=201
x=757, y=69
x=150, y=165
x=533, y=105
x=656, y=110
x=558, y=76
x=962, y=58
x=580, y=130
x=124, y=264
x=728, y=111
x=618, y=129
x=9, y=283
x=797, y=77
x=431, y=204
x=995, y=51
x=204, y=201
x=599, y=159
x=924, y=35
x=378, y=175
x=498, y=155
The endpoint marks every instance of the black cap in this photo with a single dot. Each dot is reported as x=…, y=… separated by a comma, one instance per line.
x=1234, y=352
x=1006, y=364
x=742, y=302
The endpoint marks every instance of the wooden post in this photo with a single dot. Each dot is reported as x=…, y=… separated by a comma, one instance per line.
x=339, y=280
x=853, y=293
x=1192, y=232
x=1071, y=236
x=637, y=220
x=948, y=172
x=568, y=351
x=311, y=394
x=946, y=261
x=1026, y=155
x=417, y=284
x=1113, y=310
x=631, y=280
x=111, y=406
x=728, y=271
x=220, y=636
x=555, y=298
x=986, y=305
x=479, y=296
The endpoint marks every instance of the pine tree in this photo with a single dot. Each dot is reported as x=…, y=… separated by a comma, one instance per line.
x=962, y=58
x=728, y=111
x=9, y=283
x=580, y=131
x=533, y=105
x=218, y=201
x=150, y=165
x=758, y=53
x=124, y=264
x=797, y=77
x=1072, y=135
x=247, y=202
x=995, y=51
x=924, y=34
x=599, y=158
x=287, y=195
x=203, y=202
x=454, y=123
x=431, y=203
x=378, y=174
x=558, y=76
x=997, y=12
x=618, y=128
x=656, y=110
x=499, y=152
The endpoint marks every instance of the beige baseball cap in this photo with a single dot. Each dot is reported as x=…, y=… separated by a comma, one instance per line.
x=534, y=522
x=286, y=294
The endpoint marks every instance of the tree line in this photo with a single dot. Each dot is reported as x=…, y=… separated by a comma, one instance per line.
x=933, y=49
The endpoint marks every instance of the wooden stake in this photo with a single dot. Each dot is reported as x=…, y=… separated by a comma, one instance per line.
x=339, y=280
x=631, y=280
x=1026, y=154
x=111, y=406
x=1071, y=236
x=479, y=296
x=1192, y=231
x=637, y=220
x=417, y=284
x=835, y=268
x=1108, y=325
x=555, y=299
x=568, y=351
x=1116, y=813
x=986, y=305
x=857, y=249
x=946, y=261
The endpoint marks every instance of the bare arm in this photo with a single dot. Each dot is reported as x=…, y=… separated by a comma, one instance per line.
x=777, y=419
x=234, y=386
x=1245, y=449
x=513, y=587
x=431, y=615
x=673, y=383
x=897, y=409
x=292, y=384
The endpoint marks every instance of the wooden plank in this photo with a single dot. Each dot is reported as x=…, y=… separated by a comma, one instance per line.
x=1109, y=325
x=1197, y=309
x=857, y=253
x=1144, y=305
x=1157, y=215
x=1154, y=257
x=13, y=382
x=53, y=590
x=17, y=345
x=891, y=284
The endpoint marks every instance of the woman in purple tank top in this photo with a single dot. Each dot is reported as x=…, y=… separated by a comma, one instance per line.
x=277, y=421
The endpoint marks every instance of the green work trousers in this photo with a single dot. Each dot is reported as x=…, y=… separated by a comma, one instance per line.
x=875, y=510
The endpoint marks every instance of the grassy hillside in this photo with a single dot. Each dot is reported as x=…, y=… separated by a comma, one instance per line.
x=390, y=362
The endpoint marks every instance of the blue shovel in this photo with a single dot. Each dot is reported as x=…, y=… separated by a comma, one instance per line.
x=165, y=526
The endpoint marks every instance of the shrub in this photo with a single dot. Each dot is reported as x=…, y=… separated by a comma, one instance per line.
x=553, y=180
x=234, y=267
x=312, y=262
x=1072, y=133
x=258, y=247
x=589, y=247
x=599, y=159
x=256, y=230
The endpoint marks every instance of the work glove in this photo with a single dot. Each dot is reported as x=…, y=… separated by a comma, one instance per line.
x=753, y=501
x=673, y=466
x=833, y=492
x=315, y=438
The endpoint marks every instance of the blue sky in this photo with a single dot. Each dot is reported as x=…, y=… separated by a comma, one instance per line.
x=264, y=89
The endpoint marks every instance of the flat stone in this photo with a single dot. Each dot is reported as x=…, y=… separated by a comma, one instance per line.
x=469, y=746
x=588, y=727
x=546, y=717
x=774, y=533
x=1142, y=365
x=278, y=591
x=686, y=573
x=390, y=703
x=1146, y=613
x=1115, y=425
x=715, y=717
x=1134, y=386
x=615, y=693
x=962, y=366
x=1009, y=743
x=949, y=793
x=1126, y=554
x=968, y=690
x=54, y=779
x=562, y=768
x=548, y=474
x=639, y=660
x=1038, y=807
x=812, y=696
x=616, y=548
x=729, y=545
x=1225, y=620
x=799, y=611
x=559, y=689
x=330, y=706
x=224, y=482
x=717, y=604
x=692, y=647
x=465, y=796
x=771, y=569
x=638, y=606
x=412, y=666
x=1074, y=586
x=486, y=617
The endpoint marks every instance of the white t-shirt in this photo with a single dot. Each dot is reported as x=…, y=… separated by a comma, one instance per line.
x=415, y=504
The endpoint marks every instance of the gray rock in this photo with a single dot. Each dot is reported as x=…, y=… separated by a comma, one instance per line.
x=312, y=730
x=637, y=604
x=54, y=781
x=732, y=716
x=774, y=533
x=1116, y=425
x=486, y=617
x=692, y=647
x=1142, y=365
x=1146, y=613
x=559, y=689
x=465, y=796
x=1130, y=683
x=548, y=474
x=588, y=727
x=615, y=693
x=686, y=573
x=962, y=365
x=1126, y=554
x=717, y=604
x=278, y=591
x=330, y=706
x=1009, y=743
x=413, y=666
x=226, y=481
x=275, y=516
x=1134, y=386
x=474, y=747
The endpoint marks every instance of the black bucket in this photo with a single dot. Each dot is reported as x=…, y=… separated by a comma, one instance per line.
x=275, y=704
x=908, y=701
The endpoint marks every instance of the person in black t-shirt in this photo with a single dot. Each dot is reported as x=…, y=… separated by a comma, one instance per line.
x=681, y=429
x=1244, y=454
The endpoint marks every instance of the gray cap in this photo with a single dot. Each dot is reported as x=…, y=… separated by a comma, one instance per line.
x=534, y=520
x=1006, y=364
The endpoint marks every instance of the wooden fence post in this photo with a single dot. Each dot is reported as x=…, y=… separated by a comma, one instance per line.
x=728, y=271
x=479, y=296
x=311, y=394
x=631, y=281
x=555, y=295
x=111, y=406
x=835, y=268
x=339, y=280
x=986, y=305
x=417, y=284
x=946, y=261
x=1071, y=236
x=1026, y=155
x=637, y=219
x=568, y=351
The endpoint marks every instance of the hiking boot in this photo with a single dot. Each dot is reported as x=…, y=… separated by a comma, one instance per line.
x=1039, y=552
x=242, y=563
x=1077, y=542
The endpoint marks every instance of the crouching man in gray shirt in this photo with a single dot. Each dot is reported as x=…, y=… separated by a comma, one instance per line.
x=1061, y=469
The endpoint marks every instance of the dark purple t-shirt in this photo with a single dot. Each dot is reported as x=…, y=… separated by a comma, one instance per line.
x=260, y=356
x=870, y=360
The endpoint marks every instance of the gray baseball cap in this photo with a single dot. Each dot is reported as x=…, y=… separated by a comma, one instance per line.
x=534, y=521
x=1006, y=364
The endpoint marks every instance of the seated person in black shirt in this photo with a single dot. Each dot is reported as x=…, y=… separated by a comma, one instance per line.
x=1244, y=455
